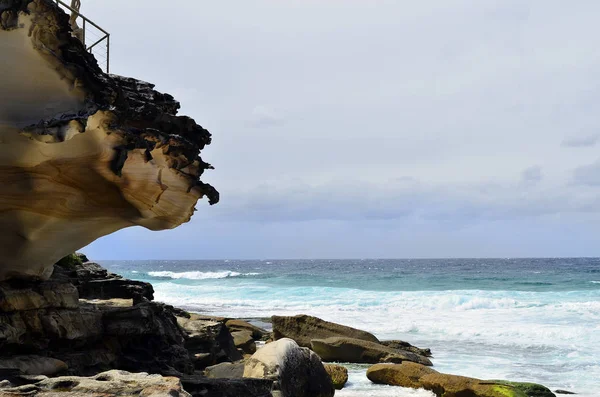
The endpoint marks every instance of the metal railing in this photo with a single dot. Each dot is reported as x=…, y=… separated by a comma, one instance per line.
x=89, y=32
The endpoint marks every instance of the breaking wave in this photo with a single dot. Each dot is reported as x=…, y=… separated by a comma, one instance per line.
x=200, y=275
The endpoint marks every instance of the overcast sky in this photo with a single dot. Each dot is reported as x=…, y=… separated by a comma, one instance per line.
x=354, y=128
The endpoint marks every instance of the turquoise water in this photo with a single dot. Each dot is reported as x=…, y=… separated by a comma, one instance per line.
x=521, y=319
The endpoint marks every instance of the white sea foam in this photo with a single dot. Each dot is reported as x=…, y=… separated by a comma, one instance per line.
x=595, y=282
x=359, y=386
x=514, y=335
x=200, y=275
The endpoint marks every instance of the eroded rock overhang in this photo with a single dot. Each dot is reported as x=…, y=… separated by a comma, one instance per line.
x=82, y=153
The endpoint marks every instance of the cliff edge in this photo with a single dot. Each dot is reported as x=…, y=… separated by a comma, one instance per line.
x=82, y=153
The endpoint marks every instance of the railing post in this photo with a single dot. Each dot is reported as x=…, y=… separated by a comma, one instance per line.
x=107, y=53
x=83, y=38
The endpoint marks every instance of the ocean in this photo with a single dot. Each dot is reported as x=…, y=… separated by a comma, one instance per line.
x=534, y=320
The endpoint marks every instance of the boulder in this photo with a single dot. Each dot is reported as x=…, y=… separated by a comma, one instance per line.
x=296, y=371
x=359, y=351
x=408, y=374
x=209, y=342
x=241, y=325
x=401, y=345
x=225, y=370
x=106, y=384
x=338, y=375
x=303, y=329
x=243, y=340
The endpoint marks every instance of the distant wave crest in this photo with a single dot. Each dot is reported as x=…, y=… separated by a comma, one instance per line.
x=200, y=275
x=595, y=282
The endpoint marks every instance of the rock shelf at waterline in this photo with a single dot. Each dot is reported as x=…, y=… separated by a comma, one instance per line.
x=84, y=329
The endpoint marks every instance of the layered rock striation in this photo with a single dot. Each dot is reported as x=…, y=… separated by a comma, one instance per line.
x=82, y=153
x=45, y=329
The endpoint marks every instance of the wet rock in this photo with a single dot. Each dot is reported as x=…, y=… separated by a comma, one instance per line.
x=360, y=351
x=338, y=375
x=408, y=374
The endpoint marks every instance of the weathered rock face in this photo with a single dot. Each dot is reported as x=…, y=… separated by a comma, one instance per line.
x=82, y=153
x=47, y=319
x=149, y=339
x=110, y=383
x=208, y=342
x=35, y=317
x=95, y=282
x=243, y=341
x=297, y=371
x=338, y=375
x=303, y=329
x=417, y=376
x=359, y=351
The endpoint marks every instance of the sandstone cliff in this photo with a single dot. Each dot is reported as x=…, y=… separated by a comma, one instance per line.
x=82, y=153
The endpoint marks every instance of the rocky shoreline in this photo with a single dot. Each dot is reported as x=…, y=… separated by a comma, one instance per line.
x=86, y=330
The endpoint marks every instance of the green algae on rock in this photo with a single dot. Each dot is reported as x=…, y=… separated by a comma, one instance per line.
x=338, y=375
x=417, y=376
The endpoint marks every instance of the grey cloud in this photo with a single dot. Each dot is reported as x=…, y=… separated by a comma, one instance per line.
x=532, y=175
x=587, y=174
x=358, y=91
x=581, y=141
x=399, y=202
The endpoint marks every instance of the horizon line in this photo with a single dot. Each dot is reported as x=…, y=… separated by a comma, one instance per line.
x=353, y=259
